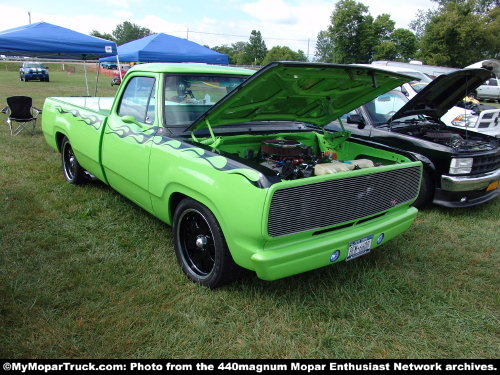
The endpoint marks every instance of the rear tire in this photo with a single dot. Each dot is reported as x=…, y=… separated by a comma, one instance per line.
x=200, y=246
x=426, y=193
x=73, y=171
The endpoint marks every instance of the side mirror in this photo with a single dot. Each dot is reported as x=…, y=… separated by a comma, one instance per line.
x=129, y=120
x=132, y=120
x=356, y=119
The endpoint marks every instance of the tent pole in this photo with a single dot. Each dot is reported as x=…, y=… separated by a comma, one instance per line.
x=86, y=80
x=97, y=78
x=119, y=68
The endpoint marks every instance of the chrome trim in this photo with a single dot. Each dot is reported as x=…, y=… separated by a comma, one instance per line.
x=466, y=183
x=320, y=205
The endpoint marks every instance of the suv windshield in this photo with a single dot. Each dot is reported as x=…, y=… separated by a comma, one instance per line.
x=34, y=65
x=420, y=76
x=187, y=97
x=418, y=86
x=385, y=106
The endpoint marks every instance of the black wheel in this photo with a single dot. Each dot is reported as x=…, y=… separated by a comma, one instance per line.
x=47, y=79
x=73, y=171
x=200, y=246
x=426, y=190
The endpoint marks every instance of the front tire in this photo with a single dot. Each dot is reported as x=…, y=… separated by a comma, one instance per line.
x=73, y=171
x=200, y=246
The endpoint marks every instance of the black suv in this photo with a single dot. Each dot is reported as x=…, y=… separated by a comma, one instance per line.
x=461, y=168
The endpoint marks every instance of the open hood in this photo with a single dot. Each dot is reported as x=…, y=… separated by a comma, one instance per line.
x=313, y=93
x=440, y=95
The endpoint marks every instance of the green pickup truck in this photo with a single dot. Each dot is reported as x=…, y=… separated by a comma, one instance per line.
x=239, y=164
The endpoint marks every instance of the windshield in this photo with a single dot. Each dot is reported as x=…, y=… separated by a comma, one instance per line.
x=420, y=76
x=187, y=97
x=34, y=65
x=418, y=86
x=385, y=106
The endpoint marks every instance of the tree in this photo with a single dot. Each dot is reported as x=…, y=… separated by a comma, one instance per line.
x=98, y=34
x=492, y=21
x=457, y=35
x=405, y=43
x=386, y=50
x=383, y=27
x=127, y=31
x=227, y=50
x=255, y=49
x=324, y=47
x=283, y=53
x=421, y=21
x=351, y=32
x=301, y=56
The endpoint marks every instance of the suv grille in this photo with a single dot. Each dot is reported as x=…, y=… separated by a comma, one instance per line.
x=322, y=204
x=488, y=163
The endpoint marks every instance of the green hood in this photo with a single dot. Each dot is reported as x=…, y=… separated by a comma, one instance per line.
x=313, y=93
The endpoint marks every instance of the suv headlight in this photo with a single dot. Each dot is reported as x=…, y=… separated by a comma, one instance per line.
x=464, y=121
x=461, y=165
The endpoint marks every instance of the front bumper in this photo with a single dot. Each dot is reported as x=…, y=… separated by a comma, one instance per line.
x=36, y=75
x=313, y=252
x=466, y=191
x=467, y=183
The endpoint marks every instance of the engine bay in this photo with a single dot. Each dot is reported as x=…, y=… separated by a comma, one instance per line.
x=442, y=134
x=292, y=160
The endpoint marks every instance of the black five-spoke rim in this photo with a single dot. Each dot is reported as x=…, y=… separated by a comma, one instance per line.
x=69, y=162
x=196, y=242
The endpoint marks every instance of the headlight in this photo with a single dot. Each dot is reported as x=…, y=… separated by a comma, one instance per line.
x=465, y=121
x=461, y=165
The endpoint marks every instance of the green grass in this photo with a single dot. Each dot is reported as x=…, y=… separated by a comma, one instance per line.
x=86, y=273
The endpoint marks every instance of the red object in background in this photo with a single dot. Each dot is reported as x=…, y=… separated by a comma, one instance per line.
x=116, y=76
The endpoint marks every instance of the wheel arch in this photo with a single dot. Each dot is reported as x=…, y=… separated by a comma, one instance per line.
x=59, y=135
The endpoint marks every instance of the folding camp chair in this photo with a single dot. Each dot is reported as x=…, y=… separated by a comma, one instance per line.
x=20, y=110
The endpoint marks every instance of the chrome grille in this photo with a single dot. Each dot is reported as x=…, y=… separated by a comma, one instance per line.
x=322, y=204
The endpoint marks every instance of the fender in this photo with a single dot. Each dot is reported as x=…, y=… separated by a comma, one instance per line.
x=425, y=161
x=166, y=215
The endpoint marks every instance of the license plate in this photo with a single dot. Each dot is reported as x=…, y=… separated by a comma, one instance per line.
x=359, y=247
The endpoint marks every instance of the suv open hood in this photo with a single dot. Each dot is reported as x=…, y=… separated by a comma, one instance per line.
x=313, y=93
x=440, y=95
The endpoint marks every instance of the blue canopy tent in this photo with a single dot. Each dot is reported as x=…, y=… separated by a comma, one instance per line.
x=45, y=40
x=167, y=48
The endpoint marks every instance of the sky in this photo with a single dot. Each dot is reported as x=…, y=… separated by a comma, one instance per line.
x=294, y=23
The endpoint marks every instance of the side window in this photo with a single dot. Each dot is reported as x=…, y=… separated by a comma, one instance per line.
x=138, y=99
x=493, y=82
x=346, y=115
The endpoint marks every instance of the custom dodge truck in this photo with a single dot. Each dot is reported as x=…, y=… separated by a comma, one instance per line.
x=240, y=165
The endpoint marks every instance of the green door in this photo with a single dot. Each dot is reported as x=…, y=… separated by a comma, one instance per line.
x=127, y=139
